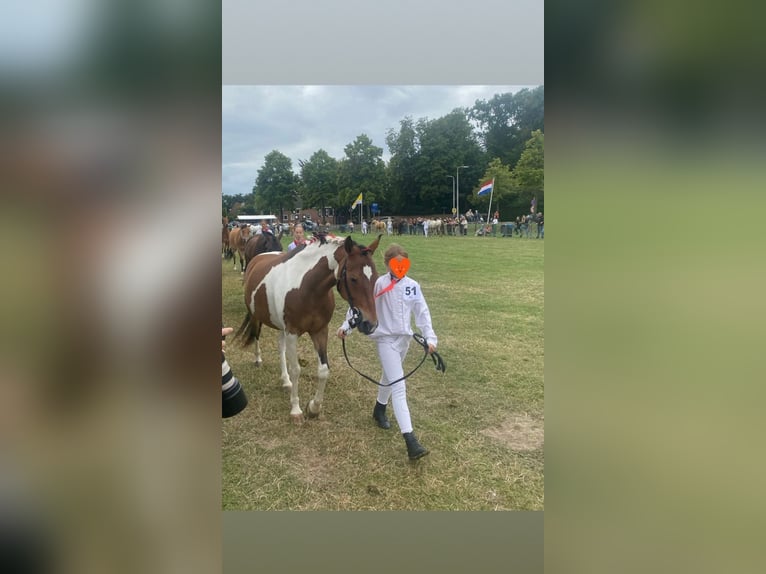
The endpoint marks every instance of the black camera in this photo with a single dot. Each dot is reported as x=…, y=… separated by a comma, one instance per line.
x=234, y=399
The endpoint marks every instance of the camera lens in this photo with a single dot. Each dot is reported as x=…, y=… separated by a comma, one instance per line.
x=233, y=398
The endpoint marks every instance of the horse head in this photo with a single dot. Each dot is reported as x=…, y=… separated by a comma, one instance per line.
x=356, y=283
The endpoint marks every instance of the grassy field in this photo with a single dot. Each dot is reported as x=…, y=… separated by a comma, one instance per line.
x=482, y=420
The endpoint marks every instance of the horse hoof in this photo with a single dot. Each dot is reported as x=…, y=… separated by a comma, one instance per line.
x=287, y=386
x=310, y=411
x=297, y=419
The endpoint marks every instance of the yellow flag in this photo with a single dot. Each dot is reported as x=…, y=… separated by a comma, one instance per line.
x=357, y=201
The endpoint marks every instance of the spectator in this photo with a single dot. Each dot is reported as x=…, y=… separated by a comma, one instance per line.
x=540, y=227
x=298, y=237
x=364, y=227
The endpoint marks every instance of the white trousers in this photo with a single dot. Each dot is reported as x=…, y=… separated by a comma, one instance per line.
x=392, y=351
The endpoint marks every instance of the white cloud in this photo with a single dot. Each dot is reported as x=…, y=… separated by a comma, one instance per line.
x=300, y=120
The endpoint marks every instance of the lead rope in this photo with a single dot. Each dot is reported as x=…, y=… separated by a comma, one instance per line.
x=438, y=362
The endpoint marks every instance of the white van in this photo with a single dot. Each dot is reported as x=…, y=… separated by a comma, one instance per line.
x=255, y=222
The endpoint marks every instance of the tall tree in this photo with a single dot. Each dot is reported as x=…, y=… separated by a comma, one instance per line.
x=404, y=148
x=319, y=176
x=507, y=121
x=529, y=173
x=504, y=190
x=275, y=185
x=362, y=171
x=445, y=144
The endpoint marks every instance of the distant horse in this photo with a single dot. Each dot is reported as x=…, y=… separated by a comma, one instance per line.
x=379, y=226
x=262, y=243
x=225, y=249
x=237, y=240
x=435, y=227
x=293, y=292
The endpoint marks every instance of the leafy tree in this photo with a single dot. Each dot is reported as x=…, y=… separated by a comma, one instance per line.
x=362, y=170
x=275, y=185
x=445, y=143
x=504, y=189
x=507, y=120
x=231, y=204
x=529, y=173
x=319, y=177
x=404, y=148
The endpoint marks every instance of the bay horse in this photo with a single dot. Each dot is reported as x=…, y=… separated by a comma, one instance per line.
x=225, y=249
x=237, y=240
x=264, y=242
x=293, y=293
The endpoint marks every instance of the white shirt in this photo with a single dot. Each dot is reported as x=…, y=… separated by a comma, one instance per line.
x=396, y=307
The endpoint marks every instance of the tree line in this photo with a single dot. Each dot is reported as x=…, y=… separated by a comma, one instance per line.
x=500, y=138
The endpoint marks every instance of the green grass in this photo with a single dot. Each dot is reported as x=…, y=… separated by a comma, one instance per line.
x=482, y=420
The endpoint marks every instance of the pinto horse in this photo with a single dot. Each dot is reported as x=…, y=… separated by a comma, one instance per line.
x=262, y=243
x=293, y=293
x=237, y=240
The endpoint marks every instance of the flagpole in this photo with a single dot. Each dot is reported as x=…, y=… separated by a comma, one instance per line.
x=491, y=192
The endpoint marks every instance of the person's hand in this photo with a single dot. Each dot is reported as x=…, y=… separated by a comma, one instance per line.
x=431, y=348
x=341, y=333
x=225, y=331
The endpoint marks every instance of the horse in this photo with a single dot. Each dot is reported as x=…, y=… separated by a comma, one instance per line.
x=293, y=293
x=435, y=227
x=262, y=243
x=379, y=226
x=225, y=249
x=237, y=240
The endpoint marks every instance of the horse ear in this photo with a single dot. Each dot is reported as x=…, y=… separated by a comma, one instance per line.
x=374, y=245
x=348, y=244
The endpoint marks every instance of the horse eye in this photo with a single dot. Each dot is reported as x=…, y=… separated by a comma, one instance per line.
x=353, y=279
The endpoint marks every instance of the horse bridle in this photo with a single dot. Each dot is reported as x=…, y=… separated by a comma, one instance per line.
x=356, y=315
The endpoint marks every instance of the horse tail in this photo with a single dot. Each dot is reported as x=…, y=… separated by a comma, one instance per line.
x=246, y=332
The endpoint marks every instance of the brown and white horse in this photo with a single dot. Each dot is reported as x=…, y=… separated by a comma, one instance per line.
x=237, y=240
x=293, y=292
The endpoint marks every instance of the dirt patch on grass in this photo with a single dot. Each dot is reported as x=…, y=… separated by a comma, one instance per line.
x=519, y=432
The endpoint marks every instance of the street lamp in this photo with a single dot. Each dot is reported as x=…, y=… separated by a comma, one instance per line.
x=452, y=177
x=457, y=190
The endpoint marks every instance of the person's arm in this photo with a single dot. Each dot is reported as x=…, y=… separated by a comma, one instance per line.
x=423, y=320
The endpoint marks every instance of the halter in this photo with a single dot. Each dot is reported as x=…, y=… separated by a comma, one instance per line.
x=356, y=315
x=420, y=340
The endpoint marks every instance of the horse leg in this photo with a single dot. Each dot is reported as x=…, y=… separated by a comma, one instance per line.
x=257, y=333
x=323, y=372
x=291, y=348
x=285, y=376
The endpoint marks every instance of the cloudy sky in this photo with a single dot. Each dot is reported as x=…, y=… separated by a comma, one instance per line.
x=299, y=120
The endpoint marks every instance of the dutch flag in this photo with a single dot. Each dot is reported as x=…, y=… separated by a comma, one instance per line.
x=486, y=188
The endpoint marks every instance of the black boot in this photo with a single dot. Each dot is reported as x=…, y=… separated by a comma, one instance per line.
x=379, y=415
x=414, y=449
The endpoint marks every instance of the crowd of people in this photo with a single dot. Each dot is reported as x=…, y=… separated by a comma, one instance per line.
x=522, y=226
